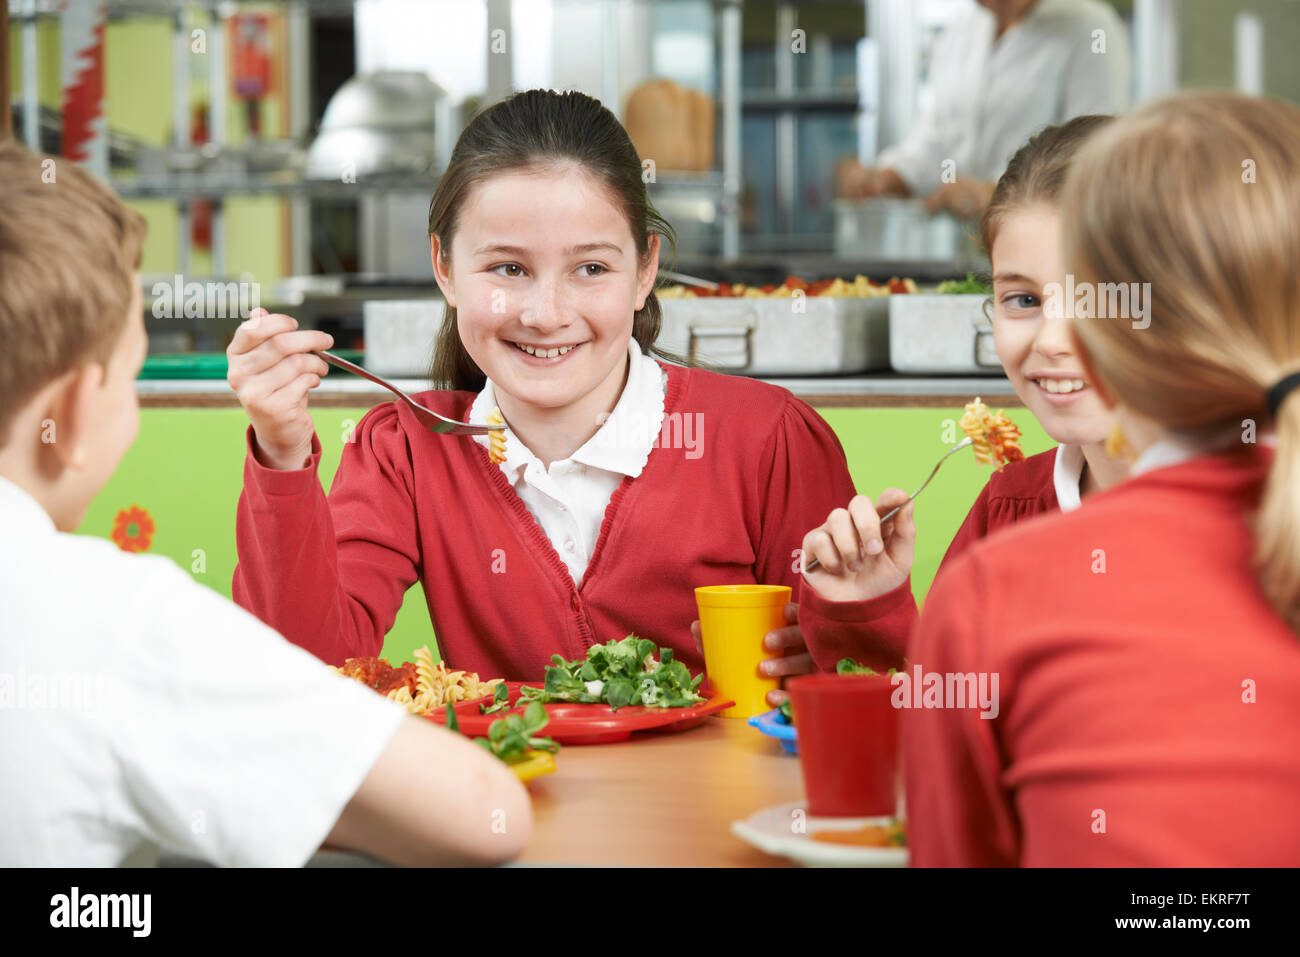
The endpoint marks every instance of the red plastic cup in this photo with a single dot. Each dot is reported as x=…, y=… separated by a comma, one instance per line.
x=848, y=744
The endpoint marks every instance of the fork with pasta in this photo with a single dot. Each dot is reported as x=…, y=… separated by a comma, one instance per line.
x=995, y=437
x=996, y=440
x=496, y=438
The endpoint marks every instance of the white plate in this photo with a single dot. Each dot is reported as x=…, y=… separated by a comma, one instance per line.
x=783, y=830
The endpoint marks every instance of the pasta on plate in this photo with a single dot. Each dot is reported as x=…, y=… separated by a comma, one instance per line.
x=421, y=688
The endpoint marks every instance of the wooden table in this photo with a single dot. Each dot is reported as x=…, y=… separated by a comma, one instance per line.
x=661, y=800
x=655, y=800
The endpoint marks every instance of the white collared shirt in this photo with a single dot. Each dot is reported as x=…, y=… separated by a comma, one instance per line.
x=140, y=712
x=569, y=499
x=1067, y=474
x=1174, y=448
x=990, y=95
x=1164, y=452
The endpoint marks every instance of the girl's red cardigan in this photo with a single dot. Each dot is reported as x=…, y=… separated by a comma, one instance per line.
x=742, y=472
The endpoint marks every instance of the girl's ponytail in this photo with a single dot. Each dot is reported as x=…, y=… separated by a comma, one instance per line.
x=1277, y=526
x=1192, y=204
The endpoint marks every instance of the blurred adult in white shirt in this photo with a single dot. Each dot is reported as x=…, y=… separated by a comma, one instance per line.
x=1001, y=71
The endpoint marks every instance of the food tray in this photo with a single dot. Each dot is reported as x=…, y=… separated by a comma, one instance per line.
x=585, y=723
x=773, y=725
x=892, y=229
x=400, y=334
x=932, y=333
x=766, y=336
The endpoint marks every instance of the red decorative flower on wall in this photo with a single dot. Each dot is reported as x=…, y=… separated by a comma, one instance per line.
x=133, y=529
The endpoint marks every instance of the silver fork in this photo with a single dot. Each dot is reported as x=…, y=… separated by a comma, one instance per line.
x=428, y=418
x=964, y=443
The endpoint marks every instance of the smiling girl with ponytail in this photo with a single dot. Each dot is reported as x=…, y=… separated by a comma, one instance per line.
x=624, y=483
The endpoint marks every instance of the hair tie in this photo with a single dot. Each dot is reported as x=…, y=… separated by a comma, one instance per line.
x=1281, y=389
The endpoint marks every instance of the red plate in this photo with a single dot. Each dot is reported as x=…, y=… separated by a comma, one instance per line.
x=586, y=723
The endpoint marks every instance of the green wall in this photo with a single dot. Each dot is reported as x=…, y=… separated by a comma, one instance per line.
x=186, y=470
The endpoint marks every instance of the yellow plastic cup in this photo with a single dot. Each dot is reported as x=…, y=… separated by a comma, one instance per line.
x=734, y=619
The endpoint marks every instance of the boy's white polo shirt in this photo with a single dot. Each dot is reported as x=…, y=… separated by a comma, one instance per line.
x=140, y=712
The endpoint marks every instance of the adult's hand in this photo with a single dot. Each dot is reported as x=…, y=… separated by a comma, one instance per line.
x=855, y=181
x=964, y=198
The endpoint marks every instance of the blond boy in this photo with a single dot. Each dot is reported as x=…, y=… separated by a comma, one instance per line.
x=139, y=711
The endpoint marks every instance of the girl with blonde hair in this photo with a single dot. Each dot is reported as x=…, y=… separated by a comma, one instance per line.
x=1146, y=645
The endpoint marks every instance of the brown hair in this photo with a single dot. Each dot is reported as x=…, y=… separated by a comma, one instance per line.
x=1199, y=195
x=69, y=251
x=529, y=130
x=1036, y=173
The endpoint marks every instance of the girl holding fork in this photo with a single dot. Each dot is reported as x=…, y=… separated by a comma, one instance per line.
x=862, y=592
x=627, y=481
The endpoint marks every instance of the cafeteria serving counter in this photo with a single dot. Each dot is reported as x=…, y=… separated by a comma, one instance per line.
x=879, y=390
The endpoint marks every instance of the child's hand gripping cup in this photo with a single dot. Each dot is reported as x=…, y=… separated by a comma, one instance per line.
x=848, y=744
x=734, y=620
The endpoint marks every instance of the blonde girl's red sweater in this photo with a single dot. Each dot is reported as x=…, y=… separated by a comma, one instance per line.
x=1148, y=710
x=743, y=470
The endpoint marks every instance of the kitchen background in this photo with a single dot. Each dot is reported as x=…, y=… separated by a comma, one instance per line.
x=288, y=151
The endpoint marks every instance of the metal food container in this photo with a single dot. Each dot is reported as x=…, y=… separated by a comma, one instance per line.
x=386, y=122
x=778, y=336
x=930, y=333
x=889, y=229
x=399, y=335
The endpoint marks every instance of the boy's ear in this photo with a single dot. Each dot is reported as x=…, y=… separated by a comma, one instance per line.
x=441, y=274
x=72, y=408
x=649, y=271
x=1090, y=371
